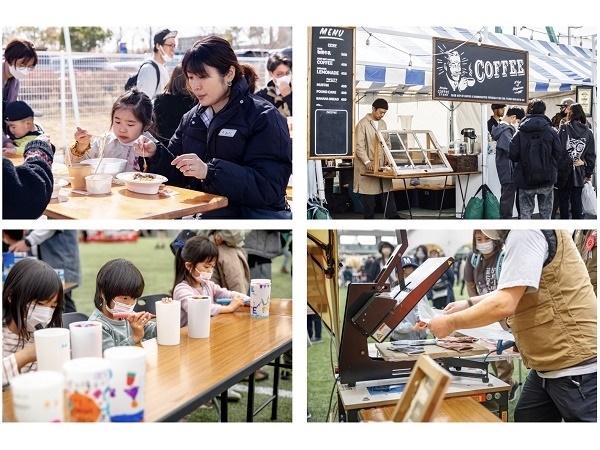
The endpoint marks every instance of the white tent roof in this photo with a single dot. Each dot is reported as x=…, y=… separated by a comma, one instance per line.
x=398, y=60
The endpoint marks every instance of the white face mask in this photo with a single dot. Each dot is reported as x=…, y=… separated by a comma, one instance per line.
x=18, y=73
x=166, y=57
x=420, y=255
x=38, y=317
x=286, y=79
x=485, y=248
x=386, y=252
x=120, y=307
x=202, y=276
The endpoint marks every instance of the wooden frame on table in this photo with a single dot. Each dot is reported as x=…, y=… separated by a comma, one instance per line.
x=424, y=392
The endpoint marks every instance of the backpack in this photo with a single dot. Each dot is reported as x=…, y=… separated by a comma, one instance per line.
x=132, y=80
x=550, y=236
x=537, y=161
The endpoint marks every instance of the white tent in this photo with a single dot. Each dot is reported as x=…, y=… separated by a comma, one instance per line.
x=396, y=64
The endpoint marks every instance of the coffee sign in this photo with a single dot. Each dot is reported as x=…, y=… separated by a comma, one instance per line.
x=465, y=71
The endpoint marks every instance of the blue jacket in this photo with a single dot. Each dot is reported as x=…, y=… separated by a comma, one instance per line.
x=247, y=148
x=531, y=125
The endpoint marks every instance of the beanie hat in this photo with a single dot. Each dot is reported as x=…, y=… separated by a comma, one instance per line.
x=380, y=103
x=39, y=147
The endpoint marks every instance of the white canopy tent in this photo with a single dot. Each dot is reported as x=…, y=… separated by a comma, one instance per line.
x=396, y=64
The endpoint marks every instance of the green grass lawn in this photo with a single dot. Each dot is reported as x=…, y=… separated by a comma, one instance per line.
x=157, y=267
x=320, y=378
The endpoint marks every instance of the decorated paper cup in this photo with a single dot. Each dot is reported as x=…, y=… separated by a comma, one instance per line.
x=39, y=396
x=127, y=384
x=87, y=389
x=260, y=297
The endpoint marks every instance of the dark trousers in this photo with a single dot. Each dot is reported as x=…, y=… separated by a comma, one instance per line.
x=387, y=200
x=570, y=197
x=508, y=195
x=572, y=399
x=69, y=305
x=314, y=326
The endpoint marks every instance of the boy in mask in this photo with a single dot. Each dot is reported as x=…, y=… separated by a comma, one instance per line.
x=278, y=91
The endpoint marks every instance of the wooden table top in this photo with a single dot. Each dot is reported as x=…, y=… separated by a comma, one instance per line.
x=124, y=204
x=182, y=377
x=459, y=409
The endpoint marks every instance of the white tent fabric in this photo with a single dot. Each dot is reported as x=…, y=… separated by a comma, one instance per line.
x=398, y=60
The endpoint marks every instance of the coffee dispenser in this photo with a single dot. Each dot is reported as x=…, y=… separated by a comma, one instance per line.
x=469, y=140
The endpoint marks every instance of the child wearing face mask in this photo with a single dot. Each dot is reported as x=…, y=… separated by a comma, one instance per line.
x=194, y=264
x=131, y=117
x=32, y=298
x=118, y=285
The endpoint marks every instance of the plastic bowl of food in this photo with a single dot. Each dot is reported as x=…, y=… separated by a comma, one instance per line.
x=99, y=183
x=142, y=183
x=58, y=183
x=110, y=166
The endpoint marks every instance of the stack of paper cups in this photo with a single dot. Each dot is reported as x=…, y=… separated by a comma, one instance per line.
x=260, y=297
x=87, y=389
x=86, y=339
x=52, y=348
x=167, y=322
x=127, y=383
x=199, y=316
x=39, y=396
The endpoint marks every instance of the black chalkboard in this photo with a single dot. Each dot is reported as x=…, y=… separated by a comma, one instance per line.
x=331, y=88
x=466, y=71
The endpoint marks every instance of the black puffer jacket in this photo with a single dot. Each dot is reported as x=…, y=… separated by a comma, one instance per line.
x=577, y=142
x=530, y=126
x=247, y=148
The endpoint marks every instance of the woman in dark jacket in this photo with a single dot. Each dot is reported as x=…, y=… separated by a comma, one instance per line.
x=232, y=144
x=577, y=162
x=171, y=105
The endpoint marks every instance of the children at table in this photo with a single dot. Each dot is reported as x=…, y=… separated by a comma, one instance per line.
x=194, y=263
x=118, y=285
x=32, y=298
x=131, y=117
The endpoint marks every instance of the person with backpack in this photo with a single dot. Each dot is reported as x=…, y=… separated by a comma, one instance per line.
x=535, y=148
x=482, y=271
x=502, y=134
x=577, y=162
x=545, y=293
x=153, y=75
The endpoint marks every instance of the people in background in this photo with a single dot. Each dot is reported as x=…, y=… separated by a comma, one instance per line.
x=576, y=163
x=561, y=116
x=171, y=104
x=21, y=126
x=162, y=53
x=131, y=117
x=20, y=58
x=278, y=90
x=32, y=297
x=497, y=113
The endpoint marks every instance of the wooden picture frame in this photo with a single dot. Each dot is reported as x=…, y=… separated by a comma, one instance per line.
x=424, y=392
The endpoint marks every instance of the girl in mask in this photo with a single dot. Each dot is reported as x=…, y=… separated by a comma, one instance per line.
x=19, y=60
x=278, y=91
x=131, y=117
x=32, y=298
x=118, y=285
x=194, y=264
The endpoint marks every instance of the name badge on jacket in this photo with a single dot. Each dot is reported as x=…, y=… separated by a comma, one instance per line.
x=227, y=132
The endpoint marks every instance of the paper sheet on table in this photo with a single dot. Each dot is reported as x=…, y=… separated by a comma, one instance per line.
x=492, y=332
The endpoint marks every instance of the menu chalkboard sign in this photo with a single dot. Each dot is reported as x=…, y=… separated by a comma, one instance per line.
x=331, y=90
x=466, y=71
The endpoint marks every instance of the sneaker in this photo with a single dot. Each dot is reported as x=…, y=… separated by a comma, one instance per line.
x=233, y=395
x=207, y=405
x=513, y=392
x=259, y=375
x=316, y=340
x=286, y=375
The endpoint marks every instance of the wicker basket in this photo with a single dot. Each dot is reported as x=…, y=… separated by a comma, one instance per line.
x=463, y=163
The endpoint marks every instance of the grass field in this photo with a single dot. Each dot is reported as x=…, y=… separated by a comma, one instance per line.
x=321, y=358
x=157, y=267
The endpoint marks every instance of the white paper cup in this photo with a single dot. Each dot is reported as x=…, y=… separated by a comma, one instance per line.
x=260, y=297
x=127, y=384
x=52, y=348
x=199, y=316
x=168, y=317
x=86, y=339
x=39, y=396
x=87, y=389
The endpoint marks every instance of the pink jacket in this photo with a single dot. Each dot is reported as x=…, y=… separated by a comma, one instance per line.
x=183, y=290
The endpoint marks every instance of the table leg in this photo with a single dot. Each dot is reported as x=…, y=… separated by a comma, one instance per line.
x=407, y=198
x=443, y=194
x=224, y=406
x=275, y=388
x=250, y=407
